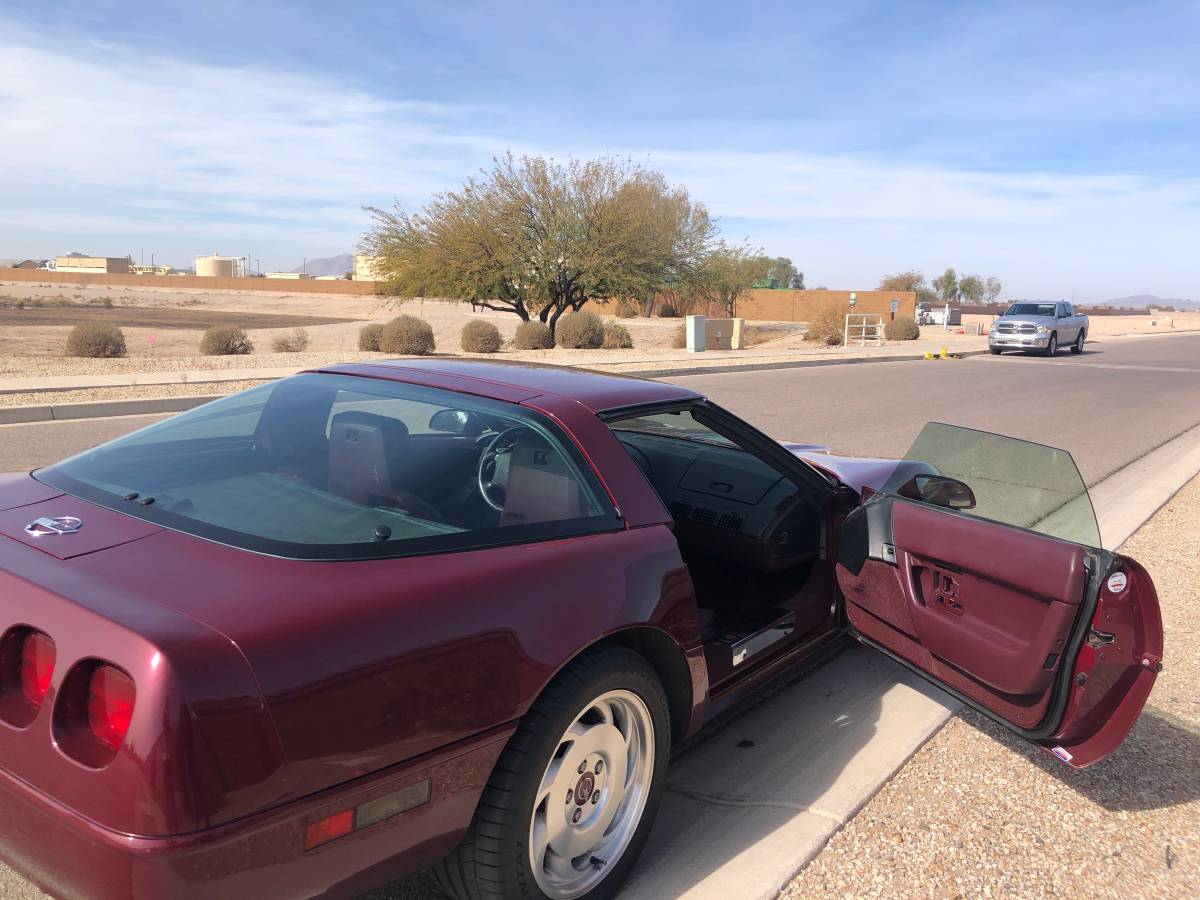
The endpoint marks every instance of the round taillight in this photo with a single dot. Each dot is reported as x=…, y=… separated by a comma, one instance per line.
x=37, y=666
x=93, y=709
x=26, y=667
x=109, y=705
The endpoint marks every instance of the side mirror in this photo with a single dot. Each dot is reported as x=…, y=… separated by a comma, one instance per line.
x=456, y=421
x=939, y=490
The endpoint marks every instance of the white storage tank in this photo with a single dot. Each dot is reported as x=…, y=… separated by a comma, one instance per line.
x=216, y=266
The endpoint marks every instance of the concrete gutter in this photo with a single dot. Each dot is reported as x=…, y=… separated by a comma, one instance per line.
x=53, y=412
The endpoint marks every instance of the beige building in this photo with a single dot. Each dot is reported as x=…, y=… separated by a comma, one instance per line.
x=151, y=270
x=216, y=266
x=290, y=275
x=91, y=265
x=366, y=268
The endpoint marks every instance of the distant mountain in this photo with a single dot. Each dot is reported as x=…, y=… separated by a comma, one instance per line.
x=329, y=265
x=1141, y=300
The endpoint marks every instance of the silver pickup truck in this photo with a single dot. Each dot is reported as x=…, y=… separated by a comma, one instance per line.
x=1043, y=327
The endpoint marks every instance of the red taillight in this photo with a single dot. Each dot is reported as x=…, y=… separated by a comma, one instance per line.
x=37, y=665
x=109, y=705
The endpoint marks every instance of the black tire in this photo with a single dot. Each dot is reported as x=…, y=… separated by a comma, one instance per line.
x=492, y=862
x=1051, y=345
x=995, y=351
x=1077, y=347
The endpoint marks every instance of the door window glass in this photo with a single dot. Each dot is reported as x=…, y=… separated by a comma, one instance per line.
x=1015, y=482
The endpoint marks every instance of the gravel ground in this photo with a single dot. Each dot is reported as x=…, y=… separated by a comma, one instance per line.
x=979, y=813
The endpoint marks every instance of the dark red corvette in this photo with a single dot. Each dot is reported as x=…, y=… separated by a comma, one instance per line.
x=312, y=637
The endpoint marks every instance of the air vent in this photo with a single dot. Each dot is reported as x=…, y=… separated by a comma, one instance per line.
x=731, y=521
x=680, y=509
x=704, y=516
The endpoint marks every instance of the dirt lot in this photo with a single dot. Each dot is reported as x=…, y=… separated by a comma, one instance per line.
x=979, y=813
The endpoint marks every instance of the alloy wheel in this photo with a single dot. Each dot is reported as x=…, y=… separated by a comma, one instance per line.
x=592, y=795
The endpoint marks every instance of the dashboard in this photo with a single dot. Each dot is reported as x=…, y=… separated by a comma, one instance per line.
x=728, y=503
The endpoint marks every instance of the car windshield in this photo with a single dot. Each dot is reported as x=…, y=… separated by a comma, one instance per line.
x=1032, y=309
x=680, y=424
x=322, y=466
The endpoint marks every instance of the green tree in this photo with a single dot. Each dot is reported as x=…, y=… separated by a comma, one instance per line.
x=946, y=286
x=539, y=238
x=991, y=289
x=784, y=273
x=727, y=272
x=971, y=289
x=912, y=280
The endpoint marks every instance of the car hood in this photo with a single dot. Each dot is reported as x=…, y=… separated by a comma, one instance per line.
x=855, y=472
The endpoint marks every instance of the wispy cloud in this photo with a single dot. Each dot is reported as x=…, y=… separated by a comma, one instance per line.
x=106, y=148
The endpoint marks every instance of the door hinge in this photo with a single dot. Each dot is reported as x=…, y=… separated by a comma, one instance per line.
x=1099, y=638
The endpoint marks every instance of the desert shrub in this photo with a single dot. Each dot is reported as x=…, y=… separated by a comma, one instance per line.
x=626, y=310
x=97, y=340
x=616, y=337
x=679, y=338
x=291, y=343
x=902, y=328
x=826, y=327
x=579, y=331
x=667, y=311
x=225, y=340
x=533, y=336
x=479, y=336
x=408, y=335
x=368, y=337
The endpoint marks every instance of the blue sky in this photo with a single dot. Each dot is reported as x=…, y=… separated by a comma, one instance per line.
x=1055, y=145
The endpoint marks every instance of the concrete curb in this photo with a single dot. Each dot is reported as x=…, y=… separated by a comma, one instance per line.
x=53, y=412
x=93, y=409
x=788, y=364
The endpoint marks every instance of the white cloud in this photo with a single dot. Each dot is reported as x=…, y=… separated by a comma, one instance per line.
x=105, y=147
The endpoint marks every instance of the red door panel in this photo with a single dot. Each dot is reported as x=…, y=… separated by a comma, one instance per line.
x=991, y=612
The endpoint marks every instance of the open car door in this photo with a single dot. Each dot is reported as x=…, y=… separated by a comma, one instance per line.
x=979, y=566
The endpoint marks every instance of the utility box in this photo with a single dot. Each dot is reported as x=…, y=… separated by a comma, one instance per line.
x=718, y=334
x=695, y=332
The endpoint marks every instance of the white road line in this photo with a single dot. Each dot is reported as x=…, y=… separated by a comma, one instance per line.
x=1091, y=365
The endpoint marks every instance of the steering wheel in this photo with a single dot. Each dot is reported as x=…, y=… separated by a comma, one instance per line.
x=492, y=471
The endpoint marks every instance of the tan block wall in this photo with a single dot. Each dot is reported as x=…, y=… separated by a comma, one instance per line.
x=801, y=306
x=189, y=282
x=766, y=305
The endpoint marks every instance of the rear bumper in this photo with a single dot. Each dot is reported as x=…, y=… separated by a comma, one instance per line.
x=259, y=856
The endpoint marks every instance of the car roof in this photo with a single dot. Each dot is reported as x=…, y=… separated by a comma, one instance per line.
x=598, y=391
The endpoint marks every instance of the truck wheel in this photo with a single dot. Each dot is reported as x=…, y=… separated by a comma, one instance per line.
x=1052, y=345
x=572, y=798
x=1077, y=347
x=995, y=351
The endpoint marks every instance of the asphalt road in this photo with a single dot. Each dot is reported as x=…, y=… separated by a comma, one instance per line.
x=1108, y=407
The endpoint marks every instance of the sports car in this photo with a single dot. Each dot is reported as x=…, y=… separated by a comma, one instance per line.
x=375, y=618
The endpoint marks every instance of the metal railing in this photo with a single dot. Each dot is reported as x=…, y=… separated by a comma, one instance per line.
x=865, y=329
